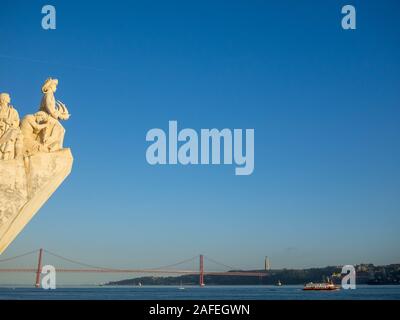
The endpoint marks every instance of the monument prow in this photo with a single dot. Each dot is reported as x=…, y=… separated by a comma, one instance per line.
x=33, y=162
x=41, y=179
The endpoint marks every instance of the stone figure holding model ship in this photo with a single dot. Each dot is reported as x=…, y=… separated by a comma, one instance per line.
x=33, y=161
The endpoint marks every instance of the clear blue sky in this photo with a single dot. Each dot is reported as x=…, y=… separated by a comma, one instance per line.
x=324, y=104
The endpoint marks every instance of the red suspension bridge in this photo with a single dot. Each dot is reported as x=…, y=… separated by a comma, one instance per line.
x=87, y=268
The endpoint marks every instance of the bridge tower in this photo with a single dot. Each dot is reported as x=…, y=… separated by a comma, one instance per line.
x=39, y=268
x=267, y=265
x=201, y=280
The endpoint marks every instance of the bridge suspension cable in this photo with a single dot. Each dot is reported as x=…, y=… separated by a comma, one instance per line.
x=20, y=256
x=176, y=264
x=114, y=269
x=75, y=261
x=220, y=263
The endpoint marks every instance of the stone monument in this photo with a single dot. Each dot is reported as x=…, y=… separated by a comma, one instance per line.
x=33, y=161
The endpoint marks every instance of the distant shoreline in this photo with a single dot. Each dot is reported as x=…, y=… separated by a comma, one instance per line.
x=365, y=274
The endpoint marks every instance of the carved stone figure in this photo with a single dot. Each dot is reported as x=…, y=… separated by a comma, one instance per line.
x=56, y=109
x=10, y=135
x=32, y=128
x=33, y=162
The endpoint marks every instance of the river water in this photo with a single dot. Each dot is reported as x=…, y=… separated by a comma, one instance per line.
x=210, y=292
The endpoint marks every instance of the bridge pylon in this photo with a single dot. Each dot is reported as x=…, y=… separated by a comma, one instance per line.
x=201, y=278
x=39, y=268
